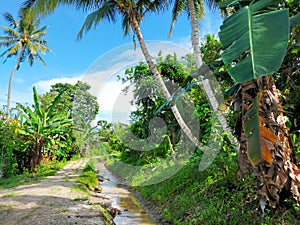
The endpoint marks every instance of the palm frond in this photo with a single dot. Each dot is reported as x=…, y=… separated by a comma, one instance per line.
x=10, y=19
x=178, y=7
x=7, y=42
x=41, y=7
x=39, y=58
x=6, y=52
x=106, y=12
x=125, y=25
x=31, y=48
x=30, y=59
x=14, y=49
x=39, y=32
x=199, y=8
x=11, y=32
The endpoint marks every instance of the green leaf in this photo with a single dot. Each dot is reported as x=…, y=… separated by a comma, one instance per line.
x=295, y=20
x=255, y=40
x=55, y=102
x=227, y=3
x=36, y=103
x=259, y=137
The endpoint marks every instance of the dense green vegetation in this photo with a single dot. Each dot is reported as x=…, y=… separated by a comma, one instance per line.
x=213, y=196
x=43, y=132
x=255, y=185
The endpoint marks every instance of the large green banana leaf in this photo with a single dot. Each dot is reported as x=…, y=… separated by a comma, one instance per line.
x=255, y=40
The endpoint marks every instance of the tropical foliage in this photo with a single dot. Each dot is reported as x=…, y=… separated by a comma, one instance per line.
x=43, y=129
x=9, y=144
x=258, y=59
x=151, y=109
x=78, y=105
x=132, y=13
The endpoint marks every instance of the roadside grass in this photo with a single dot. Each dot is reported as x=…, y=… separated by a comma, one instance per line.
x=88, y=177
x=86, y=180
x=11, y=194
x=213, y=196
x=43, y=170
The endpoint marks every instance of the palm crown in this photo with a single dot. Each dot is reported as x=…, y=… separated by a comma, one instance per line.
x=24, y=34
x=129, y=10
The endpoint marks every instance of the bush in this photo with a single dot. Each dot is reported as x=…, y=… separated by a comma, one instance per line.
x=10, y=143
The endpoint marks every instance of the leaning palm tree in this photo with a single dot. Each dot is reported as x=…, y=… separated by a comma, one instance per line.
x=195, y=11
x=132, y=13
x=23, y=38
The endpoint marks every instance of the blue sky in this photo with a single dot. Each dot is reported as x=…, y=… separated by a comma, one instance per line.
x=73, y=59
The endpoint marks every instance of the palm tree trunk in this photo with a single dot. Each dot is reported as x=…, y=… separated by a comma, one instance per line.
x=11, y=80
x=206, y=85
x=136, y=29
x=195, y=31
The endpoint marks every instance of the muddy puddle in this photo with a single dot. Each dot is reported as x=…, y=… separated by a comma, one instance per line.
x=131, y=211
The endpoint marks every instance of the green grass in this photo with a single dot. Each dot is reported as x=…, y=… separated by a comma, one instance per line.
x=88, y=177
x=11, y=194
x=86, y=180
x=43, y=170
x=213, y=196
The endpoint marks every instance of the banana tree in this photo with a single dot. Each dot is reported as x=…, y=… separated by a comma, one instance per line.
x=42, y=127
x=255, y=38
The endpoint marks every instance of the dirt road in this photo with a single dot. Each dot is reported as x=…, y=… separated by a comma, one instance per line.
x=52, y=201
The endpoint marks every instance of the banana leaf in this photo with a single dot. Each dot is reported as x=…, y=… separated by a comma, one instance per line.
x=255, y=39
x=260, y=139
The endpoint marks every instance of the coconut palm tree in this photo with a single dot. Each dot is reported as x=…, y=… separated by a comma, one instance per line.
x=132, y=13
x=195, y=11
x=25, y=39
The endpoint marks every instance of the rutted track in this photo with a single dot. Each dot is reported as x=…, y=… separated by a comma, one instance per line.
x=52, y=201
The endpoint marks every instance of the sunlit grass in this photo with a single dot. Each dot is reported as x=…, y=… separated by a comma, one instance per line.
x=88, y=177
x=213, y=196
x=11, y=194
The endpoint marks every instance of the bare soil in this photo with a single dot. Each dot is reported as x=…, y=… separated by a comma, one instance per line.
x=52, y=201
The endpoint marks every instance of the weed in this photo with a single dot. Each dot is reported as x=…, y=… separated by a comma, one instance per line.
x=11, y=194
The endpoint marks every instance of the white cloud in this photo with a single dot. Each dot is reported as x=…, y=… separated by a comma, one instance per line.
x=102, y=77
x=110, y=94
x=43, y=86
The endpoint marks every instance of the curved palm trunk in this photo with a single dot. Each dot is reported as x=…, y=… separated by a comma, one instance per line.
x=136, y=28
x=11, y=79
x=206, y=85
